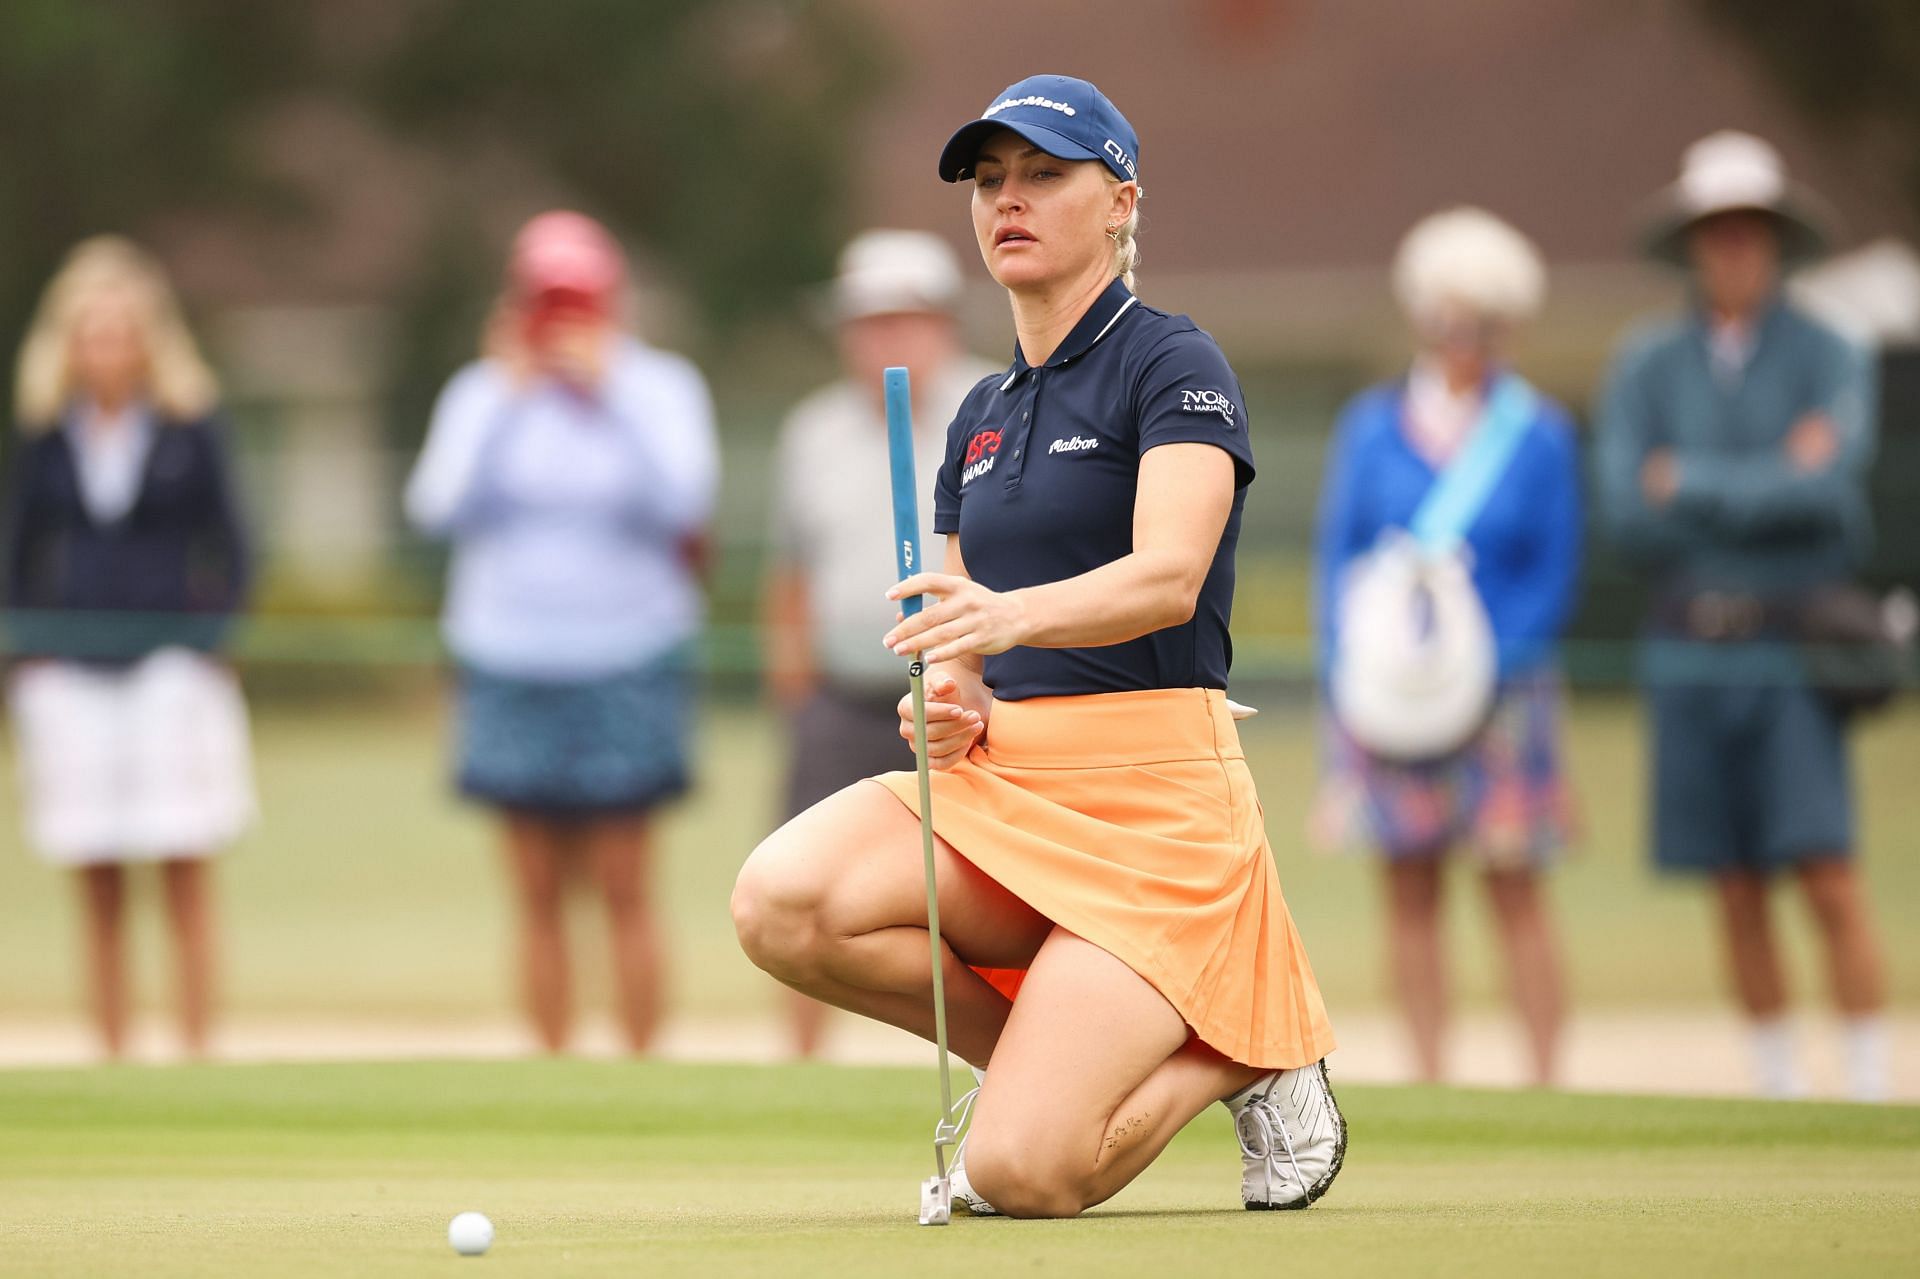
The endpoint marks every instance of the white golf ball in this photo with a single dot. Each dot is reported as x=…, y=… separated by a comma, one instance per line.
x=470, y=1233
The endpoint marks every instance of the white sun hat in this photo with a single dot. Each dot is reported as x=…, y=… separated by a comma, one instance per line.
x=1468, y=259
x=887, y=272
x=1732, y=171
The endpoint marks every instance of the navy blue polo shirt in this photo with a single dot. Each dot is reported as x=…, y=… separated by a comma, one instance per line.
x=1041, y=470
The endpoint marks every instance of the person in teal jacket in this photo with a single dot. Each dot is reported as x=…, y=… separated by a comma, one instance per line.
x=1733, y=446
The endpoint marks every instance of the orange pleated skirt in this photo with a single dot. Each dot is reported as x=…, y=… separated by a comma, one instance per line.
x=1130, y=820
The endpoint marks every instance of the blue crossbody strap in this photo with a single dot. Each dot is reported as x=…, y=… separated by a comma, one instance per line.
x=1461, y=492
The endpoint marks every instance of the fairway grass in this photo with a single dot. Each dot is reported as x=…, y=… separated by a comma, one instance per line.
x=598, y=1168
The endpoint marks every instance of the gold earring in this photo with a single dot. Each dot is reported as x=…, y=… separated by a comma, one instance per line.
x=1113, y=233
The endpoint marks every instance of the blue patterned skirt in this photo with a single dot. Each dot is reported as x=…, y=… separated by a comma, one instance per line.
x=576, y=748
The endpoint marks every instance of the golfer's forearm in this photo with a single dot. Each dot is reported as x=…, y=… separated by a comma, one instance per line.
x=1132, y=596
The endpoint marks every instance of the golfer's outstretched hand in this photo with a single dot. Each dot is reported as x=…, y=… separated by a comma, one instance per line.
x=960, y=618
x=956, y=718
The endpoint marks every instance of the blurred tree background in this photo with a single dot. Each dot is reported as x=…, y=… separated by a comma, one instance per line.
x=1852, y=65
x=708, y=131
x=114, y=115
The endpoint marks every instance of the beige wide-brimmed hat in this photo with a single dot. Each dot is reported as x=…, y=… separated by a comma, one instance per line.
x=1727, y=172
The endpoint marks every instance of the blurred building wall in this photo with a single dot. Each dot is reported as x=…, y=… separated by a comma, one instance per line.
x=1287, y=144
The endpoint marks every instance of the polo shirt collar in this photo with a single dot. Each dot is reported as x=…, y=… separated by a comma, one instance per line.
x=1114, y=301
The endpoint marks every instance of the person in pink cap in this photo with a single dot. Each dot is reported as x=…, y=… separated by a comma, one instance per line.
x=573, y=470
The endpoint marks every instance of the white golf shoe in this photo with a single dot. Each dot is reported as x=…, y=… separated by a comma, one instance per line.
x=962, y=1189
x=1292, y=1138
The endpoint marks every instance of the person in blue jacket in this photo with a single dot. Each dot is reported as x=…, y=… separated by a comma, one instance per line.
x=1465, y=278
x=1733, y=449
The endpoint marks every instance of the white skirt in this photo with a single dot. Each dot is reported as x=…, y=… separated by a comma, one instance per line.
x=141, y=763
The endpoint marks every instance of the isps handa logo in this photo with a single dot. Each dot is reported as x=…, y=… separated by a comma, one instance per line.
x=981, y=450
x=1208, y=402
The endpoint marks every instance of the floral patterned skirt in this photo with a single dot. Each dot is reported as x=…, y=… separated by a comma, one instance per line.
x=1502, y=800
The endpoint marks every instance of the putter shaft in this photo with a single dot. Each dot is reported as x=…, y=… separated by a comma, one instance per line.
x=944, y=1133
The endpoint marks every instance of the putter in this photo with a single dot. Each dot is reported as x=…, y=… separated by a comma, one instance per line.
x=936, y=1192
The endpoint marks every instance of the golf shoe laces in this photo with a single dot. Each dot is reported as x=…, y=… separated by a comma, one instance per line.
x=1256, y=1127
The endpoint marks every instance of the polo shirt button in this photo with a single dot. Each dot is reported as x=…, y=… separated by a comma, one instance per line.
x=1016, y=453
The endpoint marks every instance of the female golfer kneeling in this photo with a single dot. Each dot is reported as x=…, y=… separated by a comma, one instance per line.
x=1100, y=850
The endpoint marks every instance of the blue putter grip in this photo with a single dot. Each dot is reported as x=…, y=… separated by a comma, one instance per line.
x=906, y=503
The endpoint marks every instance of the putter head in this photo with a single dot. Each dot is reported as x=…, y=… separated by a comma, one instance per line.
x=936, y=1202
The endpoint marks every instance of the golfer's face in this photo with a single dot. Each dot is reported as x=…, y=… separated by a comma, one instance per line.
x=1036, y=217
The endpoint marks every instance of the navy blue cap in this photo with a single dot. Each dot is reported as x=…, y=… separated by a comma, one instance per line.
x=1062, y=116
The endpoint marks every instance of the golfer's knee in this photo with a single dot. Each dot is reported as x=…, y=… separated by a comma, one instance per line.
x=1019, y=1184
x=776, y=913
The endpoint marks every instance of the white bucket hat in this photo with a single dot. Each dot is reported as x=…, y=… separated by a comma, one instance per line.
x=894, y=272
x=1727, y=172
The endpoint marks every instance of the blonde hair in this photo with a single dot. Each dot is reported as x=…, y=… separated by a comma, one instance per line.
x=1467, y=258
x=1126, y=245
x=179, y=382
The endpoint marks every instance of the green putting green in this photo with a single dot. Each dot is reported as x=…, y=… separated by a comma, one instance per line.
x=368, y=892
x=596, y=1168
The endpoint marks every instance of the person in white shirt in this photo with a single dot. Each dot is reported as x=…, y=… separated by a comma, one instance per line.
x=831, y=553
x=573, y=469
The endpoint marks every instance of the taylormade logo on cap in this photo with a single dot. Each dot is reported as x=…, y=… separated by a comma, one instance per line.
x=1061, y=116
x=1031, y=100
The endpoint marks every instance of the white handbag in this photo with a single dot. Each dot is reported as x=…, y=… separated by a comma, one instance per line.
x=1415, y=670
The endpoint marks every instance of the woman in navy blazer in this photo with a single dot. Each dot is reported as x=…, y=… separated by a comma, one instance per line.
x=125, y=563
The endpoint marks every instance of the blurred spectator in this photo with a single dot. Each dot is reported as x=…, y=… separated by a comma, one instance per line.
x=832, y=538
x=573, y=469
x=1734, y=444
x=1447, y=550
x=125, y=564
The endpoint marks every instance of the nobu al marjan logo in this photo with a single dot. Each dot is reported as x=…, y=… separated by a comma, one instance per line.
x=1208, y=402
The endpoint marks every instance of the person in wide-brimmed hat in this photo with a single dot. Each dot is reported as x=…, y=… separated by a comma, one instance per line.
x=1733, y=172
x=1733, y=450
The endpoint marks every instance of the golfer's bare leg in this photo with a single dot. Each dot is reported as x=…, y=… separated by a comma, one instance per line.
x=188, y=886
x=620, y=859
x=1533, y=964
x=1418, y=958
x=808, y=1018
x=1753, y=960
x=537, y=857
x=1094, y=1075
x=834, y=904
x=103, y=889
x=1855, y=965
